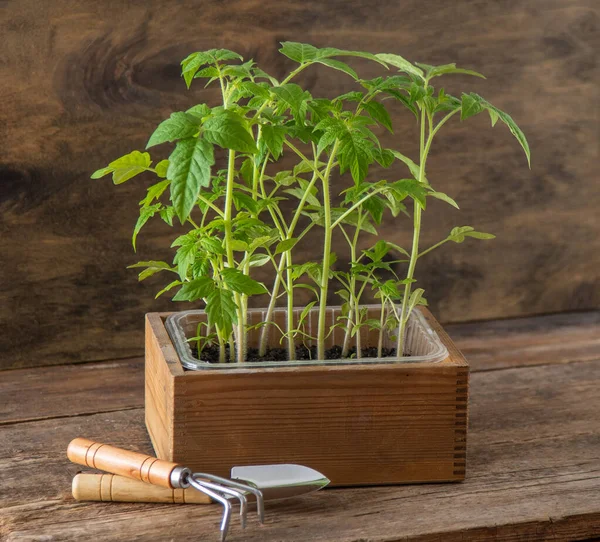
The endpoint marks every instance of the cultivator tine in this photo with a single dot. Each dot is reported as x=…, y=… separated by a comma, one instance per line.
x=260, y=505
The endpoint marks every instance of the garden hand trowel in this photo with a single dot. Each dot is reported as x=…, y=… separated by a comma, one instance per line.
x=166, y=482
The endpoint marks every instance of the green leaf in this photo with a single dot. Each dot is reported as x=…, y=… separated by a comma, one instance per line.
x=201, y=266
x=351, y=219
x=273, y=136
x=299, y=193
x=221, y=55
x=167, y=214
x=155, y=191
x=401, y=63
x=244, y=201
x=221, y=310
x=189, y=170
x=512, y=125
x=338, y=65
x=249, y=88
x=305, y=312
x=191, y=64
x=284, y=178
x=286, y=245
x=196, y=289
x=178, y=126
x=304, y=53
x=415, y=297
x=145, y=214
x=293, y=97
x=186, y=254
x=125, y=167
x=398, y=248
x=200, y=111
x=355, y=153
x=435, y=71
x=373, y=323
x=469, y=107
x=480, y=235
x=240, y=283
x=412, y=188
x=379, y=113
x=328, y=52
x=299, y=52
x=167, y=288
x=444, y=197
x=417, y=92
x=375, y=207
x=476, y=103
x=161, y=169
x=212, y=245
x=239, y=246
x=413, y=168
x=258, y=260
x=230, y=131
x=101, y=173
x=459, y=233
x=151, y=267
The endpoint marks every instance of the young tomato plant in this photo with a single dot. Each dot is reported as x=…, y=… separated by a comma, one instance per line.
x=223, y=181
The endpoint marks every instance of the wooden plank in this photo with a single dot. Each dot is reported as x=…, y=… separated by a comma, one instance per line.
x=70, y=390
x=83, y=82
x=534, y=475
x=158, y=394
x=555, y=338
x=488, y=345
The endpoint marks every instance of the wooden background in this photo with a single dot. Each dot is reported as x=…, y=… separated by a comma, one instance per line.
x=82, y=82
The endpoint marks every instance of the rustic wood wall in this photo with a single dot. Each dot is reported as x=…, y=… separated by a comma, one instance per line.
x=83, y=81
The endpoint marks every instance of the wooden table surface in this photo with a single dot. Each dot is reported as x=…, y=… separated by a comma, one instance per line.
x=533, y=453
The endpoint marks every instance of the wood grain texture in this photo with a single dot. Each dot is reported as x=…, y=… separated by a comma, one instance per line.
x=143, y=467
x=112, y=488
x=357, y=424
x=534, y=474
x=553, y=338
x=83, y=82
x=71, y=390
x=484, y=342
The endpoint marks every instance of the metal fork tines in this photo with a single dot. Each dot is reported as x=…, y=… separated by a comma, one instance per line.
x=222, y=490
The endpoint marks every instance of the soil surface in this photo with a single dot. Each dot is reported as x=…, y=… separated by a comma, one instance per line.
x=210, y=353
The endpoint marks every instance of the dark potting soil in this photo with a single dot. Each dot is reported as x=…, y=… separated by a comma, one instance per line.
x=210, y=353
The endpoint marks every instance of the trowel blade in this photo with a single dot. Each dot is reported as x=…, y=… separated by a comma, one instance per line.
x=280, y=481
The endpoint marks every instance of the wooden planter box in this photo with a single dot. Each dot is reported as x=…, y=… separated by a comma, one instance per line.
x=357, y=424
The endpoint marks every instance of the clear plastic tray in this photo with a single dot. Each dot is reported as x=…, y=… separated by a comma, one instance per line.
x=422, y=342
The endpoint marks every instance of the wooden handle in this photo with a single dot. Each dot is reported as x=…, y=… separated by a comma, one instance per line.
x=123, y=462
x=110, y=487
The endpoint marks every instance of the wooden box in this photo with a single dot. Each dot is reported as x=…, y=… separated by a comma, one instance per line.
x=357, y=424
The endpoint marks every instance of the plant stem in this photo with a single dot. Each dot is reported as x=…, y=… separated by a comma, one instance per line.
x=424, y=152
x=433, y=247
x=347, y=333
x=227, y=225
x=326, y=255
x=290, y=308
x=231, y=349
x=222, y=357
x=264, y=336
x=276, y=284
x=355, y=299
x=381, y=324
x=415, y=244
x=356, y=205
x=211, y=205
